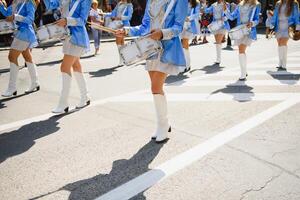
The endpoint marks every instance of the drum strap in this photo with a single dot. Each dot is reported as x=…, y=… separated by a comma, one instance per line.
x=22, y=6
x=73, y=8
x=170, y=6
x=252, y=14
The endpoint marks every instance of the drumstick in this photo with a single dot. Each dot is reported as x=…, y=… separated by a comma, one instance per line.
x=102, y=28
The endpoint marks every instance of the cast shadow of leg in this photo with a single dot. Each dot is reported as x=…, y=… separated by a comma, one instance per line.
x=104, y=72
x=122, y=171
x=19, y=141
x=210, y=69
x=284, y=76
x=240, y=91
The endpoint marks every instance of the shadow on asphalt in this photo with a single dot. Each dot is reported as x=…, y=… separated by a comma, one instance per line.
x=287, y=76
x=104, y=72
x=235, y=91
x=122, y=171
x=210, y=69
x=19, y=141
x=177, y=78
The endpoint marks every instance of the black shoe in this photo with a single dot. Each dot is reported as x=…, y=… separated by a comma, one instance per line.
x=280, y=68
x=243, y=79
x=187, y=70
x=169, y=131
x=37, y=88
x=162, y=142
x=87, y=104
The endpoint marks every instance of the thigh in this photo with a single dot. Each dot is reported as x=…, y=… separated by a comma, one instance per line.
x=158, y=79
x=27, y=55
x=219, y=38
x=77, y=66
x=13, y=55
x=67, y=63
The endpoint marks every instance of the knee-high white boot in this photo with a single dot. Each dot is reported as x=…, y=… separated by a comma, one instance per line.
x=280, y=56
x=243, y=65
x=187, y=59
x=35, y=86
x=63, y=105
x=13, y=75
x=284, y=56
x=121, y=62
x=84, y=98
x=218, y=50
x=163, y=127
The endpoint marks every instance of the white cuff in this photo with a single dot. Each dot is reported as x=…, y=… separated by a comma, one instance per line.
x=167, y=34
x=19, y=18
x=71, y=21
x=298, y=27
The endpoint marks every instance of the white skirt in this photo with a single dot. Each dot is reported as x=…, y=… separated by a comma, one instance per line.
x=19, y=45
x=158, y=66
x=72, y=49
x=186, y=34
x=246, y=40
x=221, y=31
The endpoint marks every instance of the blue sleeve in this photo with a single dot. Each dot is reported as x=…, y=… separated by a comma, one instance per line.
x=30, y=11
x=209, y=10
x=5, y=11
x=113, y=13
x=128, y=16
x=275, y=15
x=234, y=14
x=85, y=6
x=51, y=4
x=181, y=11
x=196, y=14
x=255, y=19
x=144, y=28
x=296, y=14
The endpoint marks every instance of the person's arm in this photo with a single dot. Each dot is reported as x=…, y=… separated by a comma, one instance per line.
x=180, y=16
x=113, y=13
x=296, y=16
x=255, y=20
x=208, y=10
x=30, y=11
x=84, y=11
x=5, y=11
x=232, y=15
x=128, y=16
x=196, y=14
x=143, y=28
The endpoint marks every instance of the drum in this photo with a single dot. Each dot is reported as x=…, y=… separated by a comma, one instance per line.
x=215, y=26
x=51, y=33
x=116, y=24
x=139, y=49
x=239, y=32
x=6, y=27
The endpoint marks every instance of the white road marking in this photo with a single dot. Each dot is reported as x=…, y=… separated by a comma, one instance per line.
x=198, y=97
x=242, y=83
x=163, y=171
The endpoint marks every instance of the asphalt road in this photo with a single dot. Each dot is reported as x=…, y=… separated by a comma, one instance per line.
x=230, y=140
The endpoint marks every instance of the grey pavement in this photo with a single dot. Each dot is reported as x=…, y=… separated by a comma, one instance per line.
x=230, y=140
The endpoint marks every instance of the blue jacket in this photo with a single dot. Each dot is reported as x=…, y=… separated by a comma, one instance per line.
x=127, y=15
x=236, y=15
x=194, y=17
x=51, y=4
x=76, y=23
x=292, y=20
x=24, y=21
x=173, y=26
x=211, y=10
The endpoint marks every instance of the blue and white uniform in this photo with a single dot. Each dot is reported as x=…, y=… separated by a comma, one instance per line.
x=243, y=14
x=217, y=10
x=24, y=11
x=192, y=26
x=281, y=21
x=122, y=10
x=171, y=60
x=78, y=43
x=51, y=5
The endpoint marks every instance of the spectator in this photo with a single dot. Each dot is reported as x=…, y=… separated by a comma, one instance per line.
x=95, y=16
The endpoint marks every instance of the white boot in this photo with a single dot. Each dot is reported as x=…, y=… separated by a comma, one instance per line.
x=35, y=86
x=121, y=62
x=187, y=59
x=84, y=98
x=63, y=106
x=13, y=75
x=218, y=50
x=163, y=127
x=243, y=65
x=284, y=56
x=280, y=56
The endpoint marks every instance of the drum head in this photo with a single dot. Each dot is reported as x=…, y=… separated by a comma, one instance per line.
x=42, y=33
x=147, y=44
x=130, y=53
x=56, y=31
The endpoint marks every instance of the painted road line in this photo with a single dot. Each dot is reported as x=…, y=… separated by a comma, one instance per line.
x=199, y=97
x=168, y=168
x=242, y=83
